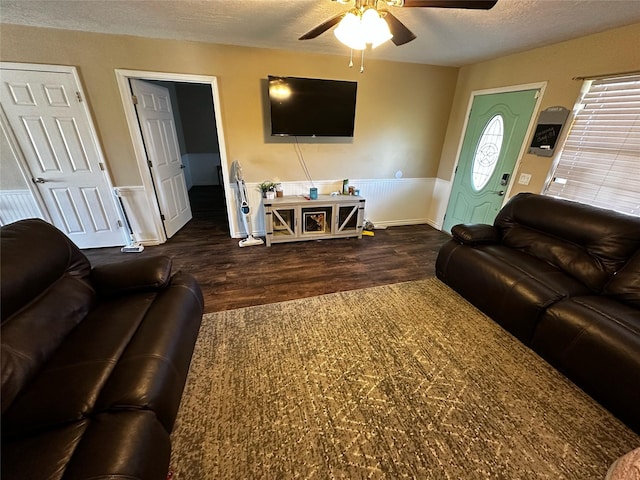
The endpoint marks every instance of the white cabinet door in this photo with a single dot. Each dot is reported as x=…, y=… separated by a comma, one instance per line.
x=161, y=141
x=55, y=135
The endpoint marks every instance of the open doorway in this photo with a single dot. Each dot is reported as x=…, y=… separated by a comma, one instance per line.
x=194, y=117
x=197, y=117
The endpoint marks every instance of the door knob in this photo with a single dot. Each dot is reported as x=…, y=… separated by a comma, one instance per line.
x=38, y=180
x=182, y=166
x=499, y=192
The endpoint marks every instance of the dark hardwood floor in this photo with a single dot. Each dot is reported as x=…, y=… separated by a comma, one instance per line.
x=234, y=277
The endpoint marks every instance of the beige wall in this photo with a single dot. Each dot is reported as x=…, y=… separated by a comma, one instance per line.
x=616, y=50
x=408, y=117
x=401, y=118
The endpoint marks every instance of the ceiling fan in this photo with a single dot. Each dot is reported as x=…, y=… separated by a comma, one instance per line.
x=401, y=34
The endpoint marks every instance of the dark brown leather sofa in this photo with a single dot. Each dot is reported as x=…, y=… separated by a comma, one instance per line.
x=564, y=278
x=94, y=361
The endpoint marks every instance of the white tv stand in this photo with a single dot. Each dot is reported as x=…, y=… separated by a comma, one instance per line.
x=294, y=218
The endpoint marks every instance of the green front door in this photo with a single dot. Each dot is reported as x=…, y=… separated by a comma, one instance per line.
x=493, y=140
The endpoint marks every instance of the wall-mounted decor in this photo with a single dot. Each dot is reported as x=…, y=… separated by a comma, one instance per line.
x=548, y=130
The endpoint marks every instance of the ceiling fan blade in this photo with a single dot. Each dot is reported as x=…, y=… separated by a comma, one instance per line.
x=401, y=34
x=323, y=27
x=472, y=4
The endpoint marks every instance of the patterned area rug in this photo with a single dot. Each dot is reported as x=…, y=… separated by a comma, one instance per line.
x=398, y=381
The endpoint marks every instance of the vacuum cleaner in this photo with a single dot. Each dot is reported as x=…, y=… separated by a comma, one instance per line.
x=244, y=207
x=133, y=246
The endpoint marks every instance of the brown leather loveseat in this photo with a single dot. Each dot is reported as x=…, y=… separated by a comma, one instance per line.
x=94, y=361
x=564, y=278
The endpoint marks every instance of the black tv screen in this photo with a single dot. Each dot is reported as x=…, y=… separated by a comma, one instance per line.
x=308, y=107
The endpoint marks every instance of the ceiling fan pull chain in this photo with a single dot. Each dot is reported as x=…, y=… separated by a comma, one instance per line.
x=351, y=59
x=362, y=62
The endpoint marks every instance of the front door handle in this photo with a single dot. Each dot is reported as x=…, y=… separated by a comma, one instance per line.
x=499, y=192
x=39, y=180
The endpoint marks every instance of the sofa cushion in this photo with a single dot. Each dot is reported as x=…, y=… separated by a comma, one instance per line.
x=131, y=276
x=46, y=255
x=588, y=243
x=45, y=455
x=30, y=337
x=625, y=284
x=75, y=375
x=129, y=353
x=123, y=445
x=44, y=296
x=475, y=234
x=128, y=445
x=510, y=286
x=153, y=369
x=595, y=341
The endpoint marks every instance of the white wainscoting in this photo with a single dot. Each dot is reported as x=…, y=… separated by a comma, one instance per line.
x=17, y=205
x=136, y=208
x=439, y=202
x=389, y=202
x=392, y=202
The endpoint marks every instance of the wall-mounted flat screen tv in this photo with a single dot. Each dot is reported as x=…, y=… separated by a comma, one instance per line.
x=308, y=107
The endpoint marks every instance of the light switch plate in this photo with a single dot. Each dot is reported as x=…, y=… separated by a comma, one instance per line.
x=524, y=179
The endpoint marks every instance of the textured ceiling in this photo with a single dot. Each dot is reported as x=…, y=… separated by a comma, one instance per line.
x=445, y=36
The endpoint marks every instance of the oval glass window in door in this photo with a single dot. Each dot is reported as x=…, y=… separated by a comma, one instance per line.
x=487, y=152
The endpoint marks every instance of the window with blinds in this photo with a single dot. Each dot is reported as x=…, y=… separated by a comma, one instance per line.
x=600, y=161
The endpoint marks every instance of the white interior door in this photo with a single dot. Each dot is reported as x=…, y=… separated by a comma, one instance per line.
x=161, y=142
x=55, y=135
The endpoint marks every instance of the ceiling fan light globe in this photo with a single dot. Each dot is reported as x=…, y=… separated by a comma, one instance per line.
x=382, y=33
x=349, y=32
x=374, y=28
x=369, y=22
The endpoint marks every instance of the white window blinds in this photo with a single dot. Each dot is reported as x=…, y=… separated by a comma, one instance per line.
x=600, y=161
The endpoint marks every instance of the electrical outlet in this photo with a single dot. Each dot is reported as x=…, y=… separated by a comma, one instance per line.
x=524, y=179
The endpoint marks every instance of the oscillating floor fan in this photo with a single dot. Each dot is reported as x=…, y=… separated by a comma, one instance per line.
x=244, y=208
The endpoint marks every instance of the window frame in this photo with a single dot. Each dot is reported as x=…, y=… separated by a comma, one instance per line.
x=580, y=147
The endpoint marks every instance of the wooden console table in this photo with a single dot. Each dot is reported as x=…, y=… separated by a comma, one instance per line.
x=294, y=218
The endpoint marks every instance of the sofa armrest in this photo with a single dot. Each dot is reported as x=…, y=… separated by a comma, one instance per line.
x=141, y=274
x=475, y=234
